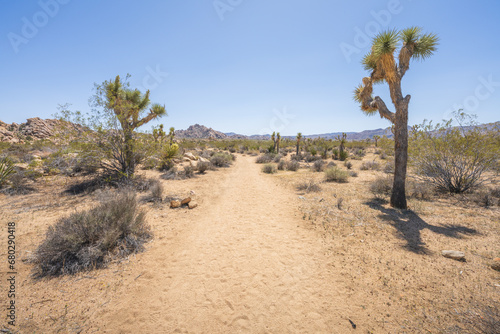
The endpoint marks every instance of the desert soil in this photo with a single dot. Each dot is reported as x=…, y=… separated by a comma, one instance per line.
x=243, y=264
x=243, y=261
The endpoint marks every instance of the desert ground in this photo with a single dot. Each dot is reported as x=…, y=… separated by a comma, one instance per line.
x=259, y=256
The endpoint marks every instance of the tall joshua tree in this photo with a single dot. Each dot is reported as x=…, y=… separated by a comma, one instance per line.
x=278, y=140
x=382, y=65
x=299, y=137
x=128, y=105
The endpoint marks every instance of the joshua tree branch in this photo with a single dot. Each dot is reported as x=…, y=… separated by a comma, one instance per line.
x=379, y=104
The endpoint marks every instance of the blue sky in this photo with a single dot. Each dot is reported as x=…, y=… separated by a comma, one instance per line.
x=247, y=66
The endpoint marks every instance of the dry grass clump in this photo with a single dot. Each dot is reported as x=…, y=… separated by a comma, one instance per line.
x=155, y=192
x=335, y=174
x=90, y=239
x=222, y=159
x=203, y=166
x=266, y=158
x=308, y=186
x=382, y=186
x=370, y=165
x=281, y=164
x=318, y=165
x=269, y=169
x=293, y=165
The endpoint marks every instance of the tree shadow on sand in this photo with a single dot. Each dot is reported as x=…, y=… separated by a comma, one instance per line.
x=409, y=226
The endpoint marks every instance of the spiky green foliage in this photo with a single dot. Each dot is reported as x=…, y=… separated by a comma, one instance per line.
x=6, y=169
x=425, y=46
x=384, y=43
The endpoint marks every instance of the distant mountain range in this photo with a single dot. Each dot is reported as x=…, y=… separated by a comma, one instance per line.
x=202, y=132
x=37, y=128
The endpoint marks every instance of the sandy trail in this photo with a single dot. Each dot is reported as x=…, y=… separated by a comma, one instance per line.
x=244, y=264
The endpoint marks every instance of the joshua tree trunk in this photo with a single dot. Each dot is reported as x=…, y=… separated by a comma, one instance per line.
x=129, y=153
x=398, y=196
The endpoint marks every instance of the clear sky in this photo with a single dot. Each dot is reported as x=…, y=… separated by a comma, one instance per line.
x=246, y=66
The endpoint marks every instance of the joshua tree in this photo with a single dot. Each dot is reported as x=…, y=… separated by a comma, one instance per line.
x=278, y=139
x=273, y=138
x=342, y=139
x=299, y=137
x=158, y=133
x=171, y=135
x=383, y=67
x=127, y=105
x=376, y=138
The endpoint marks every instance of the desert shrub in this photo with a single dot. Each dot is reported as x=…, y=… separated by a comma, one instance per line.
x=19, y=183
x=292, y=165
x=348, y=164
x=454, y=158
x=331, y=164
x=381, y=186
x=370, y=165
x=232, y=150
x=360, y=152
x=155, y=191
x=335, y=154
x=266, y=158
x=353, y=173
x=418, y=189
x=222, y=159
x=484, y=198
x=335, y=174
x=188, y=172
x=495, y=192
x=281, y=165
x=6, y=170
x=269, y=169
x=171, y=174
x=90, y=239
x=203, y=166
x=168, y=152
x=389, y=167
x=308, y=186
x=383, y=156
x=318, y=165
x=311, y=158
x=343, y=155
x=296, y=157
x=277, y=158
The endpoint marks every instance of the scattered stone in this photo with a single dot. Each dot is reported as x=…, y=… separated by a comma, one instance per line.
x=192, y=192
x=190, y=156
x=186, y=201
x=496, y=264
x=192, y=164
x=302, y=197
x=186, y=159
x=201, y=159
x=192, y=205
x=455, y=255
x=175, y=204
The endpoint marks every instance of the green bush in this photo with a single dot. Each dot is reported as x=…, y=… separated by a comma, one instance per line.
x=266, y=158
x=370, y=165
x=308, y=186
x=203, y=166
x=89, y=239
x=318, y=165
x=455, y=159
x=6, y=170
x=222, y=159
x=281, y=165
x=335, y=174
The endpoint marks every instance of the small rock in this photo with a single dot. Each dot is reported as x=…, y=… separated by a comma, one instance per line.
x=201, y=159
x=190, y=156
x=175, y=204
x=186, y=201
x=455, y=255
x=192, y=164
x=496, y=264
x=192, y=205
x=192, y=192
x=302, y=197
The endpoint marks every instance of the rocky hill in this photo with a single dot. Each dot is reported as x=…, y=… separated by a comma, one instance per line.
x=200, y=132
x=34, y=129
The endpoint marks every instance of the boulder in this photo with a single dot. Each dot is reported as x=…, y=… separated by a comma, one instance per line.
x=186, y=201
x=192, y=164
x=201, y=159
x=192, y=205
x=175, y=204
x=496, y=264
x=455, y=255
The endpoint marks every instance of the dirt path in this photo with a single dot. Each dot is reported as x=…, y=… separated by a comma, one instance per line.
x=244, y=264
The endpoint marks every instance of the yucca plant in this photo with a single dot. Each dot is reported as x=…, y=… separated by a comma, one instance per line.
x=383, y=67
x=6, y=169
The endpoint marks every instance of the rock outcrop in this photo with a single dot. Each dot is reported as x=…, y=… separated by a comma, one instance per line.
x=200, y=132
x=35, y=129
